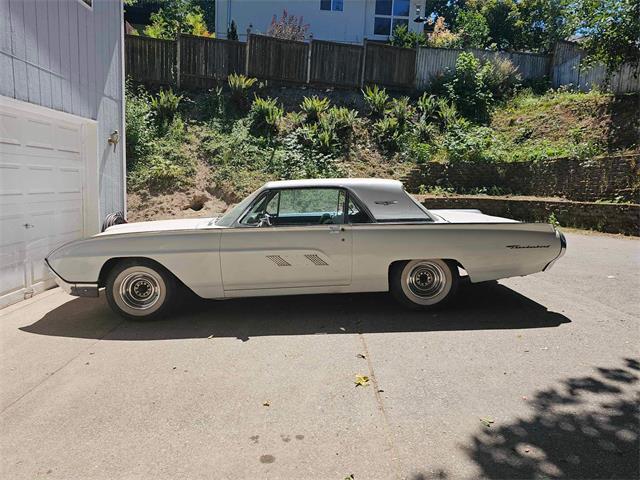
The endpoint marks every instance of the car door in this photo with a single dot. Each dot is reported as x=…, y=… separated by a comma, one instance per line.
x=288, y=238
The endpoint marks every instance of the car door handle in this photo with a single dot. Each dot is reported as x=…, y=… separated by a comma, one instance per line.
x=335, y=229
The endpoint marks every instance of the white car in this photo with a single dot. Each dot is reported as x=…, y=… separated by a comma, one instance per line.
x=304, y=237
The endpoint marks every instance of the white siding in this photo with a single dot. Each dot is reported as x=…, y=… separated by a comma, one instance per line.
x=62, y=55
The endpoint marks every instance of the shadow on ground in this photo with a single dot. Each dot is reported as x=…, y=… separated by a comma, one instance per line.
x=586, y=428
x=477, y=307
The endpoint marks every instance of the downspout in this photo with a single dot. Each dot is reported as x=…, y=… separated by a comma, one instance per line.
x=123, y=99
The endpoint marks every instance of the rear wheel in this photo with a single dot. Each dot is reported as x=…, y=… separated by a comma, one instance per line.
x=420, y=284
x=139, y=290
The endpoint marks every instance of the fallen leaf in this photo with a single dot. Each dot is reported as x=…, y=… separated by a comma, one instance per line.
x=487, y=421
x=349, y=477
x=210, y=336
x=361, y=381
x=361, y=355
x=266, y=403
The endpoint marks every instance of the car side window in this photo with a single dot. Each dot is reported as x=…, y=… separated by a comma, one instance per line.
x=356, y=214
x=299, y=206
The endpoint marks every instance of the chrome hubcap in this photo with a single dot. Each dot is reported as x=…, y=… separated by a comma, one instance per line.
x=139, y=291
x=426, y=280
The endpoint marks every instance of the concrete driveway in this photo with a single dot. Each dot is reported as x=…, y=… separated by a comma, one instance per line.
x=532, y=377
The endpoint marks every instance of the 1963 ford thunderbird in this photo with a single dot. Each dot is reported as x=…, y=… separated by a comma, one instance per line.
x=303, y=237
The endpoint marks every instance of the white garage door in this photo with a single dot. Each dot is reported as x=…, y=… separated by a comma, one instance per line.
x=44, y=185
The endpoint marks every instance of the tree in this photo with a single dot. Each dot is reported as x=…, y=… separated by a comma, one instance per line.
x=232, y=33
x=611, y=30
x=472, y=29
x=177, y=16
x=288, y=27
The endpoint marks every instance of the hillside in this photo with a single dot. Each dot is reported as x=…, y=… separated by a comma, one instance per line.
x=213, y=149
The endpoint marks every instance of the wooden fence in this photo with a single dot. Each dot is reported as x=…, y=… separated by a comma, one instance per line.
x=150, y=60
x=389, y=66
x=432, y=62
x=202, y=62
x=566, y=70
x=276, y=59
x=335, y=63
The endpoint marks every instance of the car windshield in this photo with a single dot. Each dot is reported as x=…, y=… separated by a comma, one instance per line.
x=232, y=215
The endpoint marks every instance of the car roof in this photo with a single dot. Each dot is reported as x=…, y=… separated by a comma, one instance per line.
x=385, y=199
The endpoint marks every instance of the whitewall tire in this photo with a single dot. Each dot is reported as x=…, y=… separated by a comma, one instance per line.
x=139, y=290
x=419, y=284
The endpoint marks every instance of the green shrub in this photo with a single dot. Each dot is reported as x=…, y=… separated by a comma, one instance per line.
x=471, y=144
x=294, y=160
x=467, y=87
x=240, y=86
x=446, y=113
x=425, y=132
x=427, y=107
x=165, y=107
x=401, y=111
x=140, y=138
x=503, y=78
x=319, y=136
x=313, y=107
x=376, y=99
x=213, y=104
x=343, y=120
x=162, y=175
x=388, y=133
x=265, y=115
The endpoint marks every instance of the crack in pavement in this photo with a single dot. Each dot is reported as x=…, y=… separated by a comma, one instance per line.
x=376, y=391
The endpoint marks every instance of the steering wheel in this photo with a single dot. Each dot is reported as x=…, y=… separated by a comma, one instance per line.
x=265, y=220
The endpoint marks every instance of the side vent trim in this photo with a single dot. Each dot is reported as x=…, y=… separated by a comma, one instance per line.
x=278, y=260
x=316, y=260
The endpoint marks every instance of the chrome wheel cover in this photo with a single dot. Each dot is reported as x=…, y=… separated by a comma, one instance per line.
x=139, y=291
x=426, y=280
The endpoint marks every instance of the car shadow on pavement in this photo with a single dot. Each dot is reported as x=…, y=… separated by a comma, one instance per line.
x=476, y=307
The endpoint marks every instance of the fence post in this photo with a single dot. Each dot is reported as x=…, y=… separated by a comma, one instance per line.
x=309, y=58
x=178, y=74
x=246, y=56
x=364, y=62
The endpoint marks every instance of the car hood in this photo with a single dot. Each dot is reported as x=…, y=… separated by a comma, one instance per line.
x=469, y=216
x=160, y=226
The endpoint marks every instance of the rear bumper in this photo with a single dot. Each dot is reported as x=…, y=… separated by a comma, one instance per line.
x=75, y=289
x=563, y=249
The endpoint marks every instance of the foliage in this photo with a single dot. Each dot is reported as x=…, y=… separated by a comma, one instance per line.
x=164, y=107
x=447, y=114
x=288, y=27
x=472, y=29
x=401, y=111
x=265, y=115
x=376, y=99
x=612, y=31
x=441, y=36
x=177, y=16
x=427, y=106
x=214, y=103
x=343, y=120
x=314, y=107
x=473, y=144
x=502, y=78
x=240, y=86
x=402, y=37
x=388, y=133
x=425, y=132
x=138, y=115
x=232, y=33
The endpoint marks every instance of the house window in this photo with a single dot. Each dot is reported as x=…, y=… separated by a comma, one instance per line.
x=389, y=15
x=334, y=5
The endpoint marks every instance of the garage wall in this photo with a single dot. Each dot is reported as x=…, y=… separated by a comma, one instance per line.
x=64, y=55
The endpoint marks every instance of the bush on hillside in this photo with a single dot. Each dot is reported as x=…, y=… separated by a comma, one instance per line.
x=165, y=107
x=240, y=86
x=376, y=99
x=314, y=107
x=265, y=116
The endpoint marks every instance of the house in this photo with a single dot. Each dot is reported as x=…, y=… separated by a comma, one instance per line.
x=62, y=160
x=349, y=21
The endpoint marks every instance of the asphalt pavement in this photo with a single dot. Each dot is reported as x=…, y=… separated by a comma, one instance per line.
x=532, y=377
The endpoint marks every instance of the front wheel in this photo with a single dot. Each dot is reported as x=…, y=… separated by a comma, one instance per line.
x=139, y=290
x=420, y=284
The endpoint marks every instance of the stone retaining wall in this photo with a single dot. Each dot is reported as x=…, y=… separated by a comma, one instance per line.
x=603, y=178
x=604, y=217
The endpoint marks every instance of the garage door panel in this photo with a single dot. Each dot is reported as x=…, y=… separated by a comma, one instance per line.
x=41, y=194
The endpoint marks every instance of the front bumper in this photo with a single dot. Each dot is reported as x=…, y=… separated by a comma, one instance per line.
x=75, y=289
x=563, y=250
